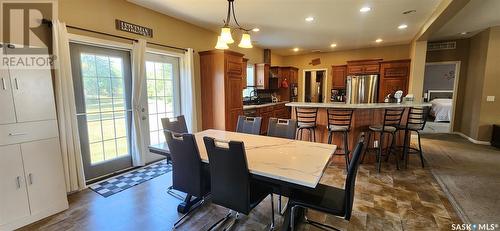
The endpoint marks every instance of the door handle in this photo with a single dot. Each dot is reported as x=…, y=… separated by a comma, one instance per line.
x=17, y=134
x=18, y=181
x=16, y=83
x=30, y=178
x=3, y=84
x=144, y=118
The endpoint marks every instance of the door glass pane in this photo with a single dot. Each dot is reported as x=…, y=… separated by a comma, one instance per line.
x=103, y=86
x=162, y=76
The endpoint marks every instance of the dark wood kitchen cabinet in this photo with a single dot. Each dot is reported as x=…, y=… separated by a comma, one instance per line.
x=221, y=83
x=361, y=67
x=244, y=74
x=394, y=76
x=339, y=76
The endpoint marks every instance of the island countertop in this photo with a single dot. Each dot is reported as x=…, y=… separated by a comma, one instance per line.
x=359, y=106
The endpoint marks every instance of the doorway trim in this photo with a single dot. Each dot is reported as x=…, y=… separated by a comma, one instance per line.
x=303, y=88
x=455, y=88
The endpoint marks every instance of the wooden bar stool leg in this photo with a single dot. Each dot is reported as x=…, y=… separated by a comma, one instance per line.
x=420, y=150
x=329, y=137
x=379, y=154
x=367, y=145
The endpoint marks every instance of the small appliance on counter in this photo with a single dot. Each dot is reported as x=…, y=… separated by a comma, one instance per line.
x=398, y=96
x=337, y=95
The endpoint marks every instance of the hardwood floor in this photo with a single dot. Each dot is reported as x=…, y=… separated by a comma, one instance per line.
x=392, y=200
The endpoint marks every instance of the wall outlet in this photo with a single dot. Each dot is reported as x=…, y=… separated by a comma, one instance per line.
x=490, y=98
x=375, y=143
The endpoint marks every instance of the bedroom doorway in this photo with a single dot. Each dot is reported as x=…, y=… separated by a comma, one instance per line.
x=440, y=87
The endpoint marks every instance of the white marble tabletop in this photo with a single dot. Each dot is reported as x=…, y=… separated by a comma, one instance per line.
x=293, y=161
x=360, y=105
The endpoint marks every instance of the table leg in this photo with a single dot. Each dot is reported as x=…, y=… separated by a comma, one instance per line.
x=188, y=202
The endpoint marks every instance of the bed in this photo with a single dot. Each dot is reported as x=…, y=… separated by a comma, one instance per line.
x=442, y=103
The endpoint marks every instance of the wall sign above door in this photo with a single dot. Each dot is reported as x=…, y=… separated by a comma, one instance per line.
x=133, y=28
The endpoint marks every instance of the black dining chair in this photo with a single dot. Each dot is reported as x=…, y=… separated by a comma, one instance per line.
x=249, y=125
x=328, y=199
x=175, y=124
x=339, y=122
x=415, y=122
x=188, y=173
x=391, y=122
x=282, y=128
x=231, y=184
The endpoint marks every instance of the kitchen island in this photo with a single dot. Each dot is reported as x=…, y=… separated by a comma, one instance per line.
x=364, y=116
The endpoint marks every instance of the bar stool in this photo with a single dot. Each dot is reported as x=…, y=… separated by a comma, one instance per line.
x=416, y=120
x=339, y=121
x=306, y=119
x=392, y=120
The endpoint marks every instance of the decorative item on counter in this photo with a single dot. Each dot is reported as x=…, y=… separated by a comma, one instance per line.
x=284, y=83
x=398, y=95
x=409, y=98
x=387, y=98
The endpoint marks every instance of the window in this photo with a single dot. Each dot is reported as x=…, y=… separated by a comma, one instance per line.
x=162, y=74
x=250, y=81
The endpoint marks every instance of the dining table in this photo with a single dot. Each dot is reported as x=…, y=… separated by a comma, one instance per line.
x=284, y=164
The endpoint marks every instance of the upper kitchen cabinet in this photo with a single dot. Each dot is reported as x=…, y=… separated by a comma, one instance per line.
x=394, y=76
x=7, y=114
x=262, y=71
x=288, y=73
x=361, y=67
x=244, y=74
x=339, y=75
x=221, y=82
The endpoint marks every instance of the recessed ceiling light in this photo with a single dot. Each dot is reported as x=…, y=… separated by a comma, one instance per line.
x=255, y=29
x=296, y=49
x=402, y=26
x=365, y=9
x=464, y=33
x=379, y=40
x=333, y=45
x=309, y=19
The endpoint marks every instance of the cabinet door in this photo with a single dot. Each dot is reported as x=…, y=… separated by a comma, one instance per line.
x=234, y=101
x=44, y=174
x=7, y=113
x=13, y=198
x=33, y=95
x=390, y=86
x=244, y=73
x=339, y=74
x=265, y=121
x=372, y=69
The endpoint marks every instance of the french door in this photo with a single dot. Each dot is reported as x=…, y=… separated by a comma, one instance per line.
x=102, y=84
x=163, y=95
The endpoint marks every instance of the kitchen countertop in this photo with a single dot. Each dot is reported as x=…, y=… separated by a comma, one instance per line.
x=359, y=106
x=248, y=107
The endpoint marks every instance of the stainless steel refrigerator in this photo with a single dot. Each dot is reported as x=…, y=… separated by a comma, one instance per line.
x=362, y=89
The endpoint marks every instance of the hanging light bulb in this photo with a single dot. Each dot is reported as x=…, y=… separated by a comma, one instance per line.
x=245, y=42
x=226, y=36
x=221, y=45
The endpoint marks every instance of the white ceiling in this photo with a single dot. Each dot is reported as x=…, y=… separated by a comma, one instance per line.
x=476, y=16
x=282, y=25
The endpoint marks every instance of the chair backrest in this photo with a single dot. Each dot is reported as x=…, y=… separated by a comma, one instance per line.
x=282, y=128
x=351, y=177
x=417, y=117
x=175, y=124
x=306, y=115
x=393, y=116
x=186, y=163
x=249, y=125
x=229, y=174
x=340, y=117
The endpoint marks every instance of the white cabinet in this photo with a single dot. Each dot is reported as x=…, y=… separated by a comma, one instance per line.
x=43, y=170
x=13, y=194
x=32, y=184
x=7, y=113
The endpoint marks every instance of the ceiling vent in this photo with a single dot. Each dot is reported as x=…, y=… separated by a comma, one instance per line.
x=437, y=46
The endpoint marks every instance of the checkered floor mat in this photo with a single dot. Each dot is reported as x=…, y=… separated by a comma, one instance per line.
x=131, y=179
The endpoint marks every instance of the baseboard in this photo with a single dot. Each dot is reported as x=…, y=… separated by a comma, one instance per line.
x=472, y=140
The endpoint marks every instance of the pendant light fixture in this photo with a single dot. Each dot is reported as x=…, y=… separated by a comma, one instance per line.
x=226, y=37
